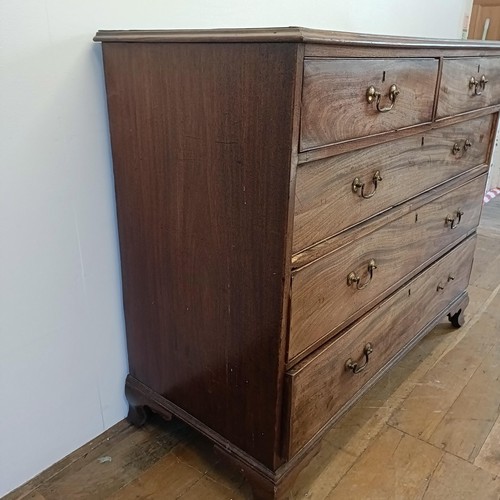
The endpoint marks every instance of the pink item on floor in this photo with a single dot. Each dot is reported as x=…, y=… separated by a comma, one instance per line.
x=489, y=195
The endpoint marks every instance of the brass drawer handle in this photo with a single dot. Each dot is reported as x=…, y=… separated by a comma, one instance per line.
x=352, y=277
x=440, y=286
x=355, y=367
x=357, y=184
x=478, y=85
x=454, y=219
x=456, y=149
x=372, y=93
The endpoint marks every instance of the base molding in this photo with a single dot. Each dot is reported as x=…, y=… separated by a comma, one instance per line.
x=275, y=486
x=142, y=396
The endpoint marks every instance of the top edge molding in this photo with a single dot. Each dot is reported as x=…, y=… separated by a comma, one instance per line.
x=290, y=34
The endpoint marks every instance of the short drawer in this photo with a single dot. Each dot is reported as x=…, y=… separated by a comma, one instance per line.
x=329, y=292
x=468, y=83
x=319, y=386
x=347, y=98
x=338, y=192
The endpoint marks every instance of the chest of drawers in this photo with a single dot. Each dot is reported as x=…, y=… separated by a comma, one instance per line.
x=296, y=209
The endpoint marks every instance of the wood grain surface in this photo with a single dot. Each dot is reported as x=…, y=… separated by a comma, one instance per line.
x=455, y=96
x=203, y=217
x=373, y=140
x=321, y=298
x=368, y=226
x=320, y=385
x=334, y=103
x=325, y=202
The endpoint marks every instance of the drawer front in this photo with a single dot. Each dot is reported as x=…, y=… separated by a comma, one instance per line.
x=335, y=105
x=321, y=384
x=322, y=300
x=459, y=94
x=327, y=203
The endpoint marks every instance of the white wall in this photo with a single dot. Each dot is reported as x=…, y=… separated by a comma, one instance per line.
x=62, y=350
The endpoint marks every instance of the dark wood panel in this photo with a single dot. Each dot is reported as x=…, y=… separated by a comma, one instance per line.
x=321, y=297
x=202, y=156
x=455, y=95
x=320, y=385
x=334, y=99
x=326, y=203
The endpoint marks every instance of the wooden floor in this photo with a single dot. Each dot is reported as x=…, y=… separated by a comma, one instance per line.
x=430, y=429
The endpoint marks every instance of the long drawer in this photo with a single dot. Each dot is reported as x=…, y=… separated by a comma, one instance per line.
x=347, y=98
x=331, y=290
x=468, y=83
x=319, y=386
x=338, y=192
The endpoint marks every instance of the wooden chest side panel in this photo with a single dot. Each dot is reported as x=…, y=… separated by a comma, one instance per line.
x=201, y=138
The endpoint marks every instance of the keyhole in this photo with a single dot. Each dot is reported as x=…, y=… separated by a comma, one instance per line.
x=383, y=77
x=478, y=68
x=422, y=141
x=416, y=217
x=409, y=291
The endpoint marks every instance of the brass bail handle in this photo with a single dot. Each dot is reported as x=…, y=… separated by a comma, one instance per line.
x=353, y=278
x=354, y=366
x=440, y=285
x=373, y=94
x=454, y=220
x=457, y=149
x=358, y=185
x=478, y=85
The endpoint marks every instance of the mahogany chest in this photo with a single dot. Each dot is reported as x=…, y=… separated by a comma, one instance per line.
x=296, y=209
